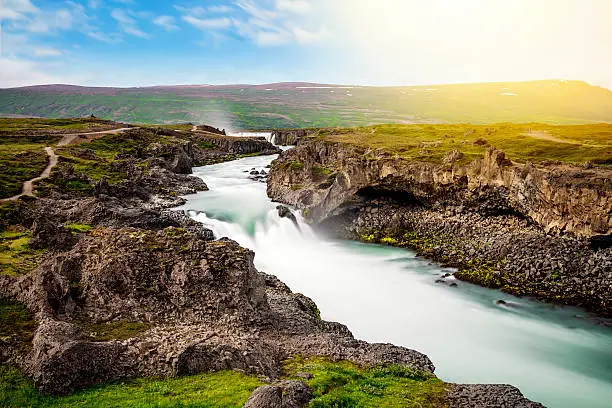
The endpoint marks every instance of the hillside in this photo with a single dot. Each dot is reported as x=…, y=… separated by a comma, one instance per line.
x=290, y=105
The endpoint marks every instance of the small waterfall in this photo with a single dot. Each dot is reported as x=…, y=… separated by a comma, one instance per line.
x=267, y=135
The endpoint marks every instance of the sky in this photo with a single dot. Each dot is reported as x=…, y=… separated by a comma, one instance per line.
x=360, y=42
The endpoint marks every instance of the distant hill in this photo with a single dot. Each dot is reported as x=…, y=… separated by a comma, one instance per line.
x=296, y=104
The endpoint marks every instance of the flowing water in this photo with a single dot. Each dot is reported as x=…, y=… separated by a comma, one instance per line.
x=386, y=294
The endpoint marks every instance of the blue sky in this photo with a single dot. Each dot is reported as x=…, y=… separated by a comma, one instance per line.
x=377, y=42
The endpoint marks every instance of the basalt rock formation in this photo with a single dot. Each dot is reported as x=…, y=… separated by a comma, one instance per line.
x=289, y=137
x=234, y=145
x=541, y=231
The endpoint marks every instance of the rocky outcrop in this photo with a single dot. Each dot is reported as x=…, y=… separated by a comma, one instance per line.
x=287, y=394
x=201, y=305
x=530, y=230
x=240, y=145
x=210, y=129
x=290, y=137
x=558, y=198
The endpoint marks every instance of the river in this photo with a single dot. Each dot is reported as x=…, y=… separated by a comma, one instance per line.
x=386, y=294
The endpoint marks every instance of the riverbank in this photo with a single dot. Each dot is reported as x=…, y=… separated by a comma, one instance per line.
x=541, y=231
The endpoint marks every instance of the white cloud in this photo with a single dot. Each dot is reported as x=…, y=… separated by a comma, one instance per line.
x=219, y=9
x=257, y=12
x=122, y=17
x=16, y=72
x=293, y=6
x=94, y=4
x=208, y=23
x=49, y=21
x=201, y=11
x=47, y=52
x=111, y=38
x=280, y=24
x=16, y=9
x=166, y=22
x=127, y=24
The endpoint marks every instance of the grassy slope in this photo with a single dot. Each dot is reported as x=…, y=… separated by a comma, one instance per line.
x=521, y=142
x=570, y=102
x=40, y=126
x=22, y=156
x=334, y=384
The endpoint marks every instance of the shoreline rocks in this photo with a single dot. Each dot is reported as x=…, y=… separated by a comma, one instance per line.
x=540, y=232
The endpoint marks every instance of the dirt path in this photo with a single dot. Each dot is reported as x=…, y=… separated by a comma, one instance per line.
x=28, y=186
x=194, y=128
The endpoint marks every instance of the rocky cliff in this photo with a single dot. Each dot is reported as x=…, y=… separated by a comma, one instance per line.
x=239, y=145
x=290, y=137
x=542, y=231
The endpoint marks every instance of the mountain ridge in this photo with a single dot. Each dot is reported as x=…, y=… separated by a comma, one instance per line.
x=306, y=104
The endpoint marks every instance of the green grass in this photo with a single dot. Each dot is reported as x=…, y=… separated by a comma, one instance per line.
x=78, y=228
x=178, y=126
x=21, y=158
x=108, y=161
x=334, y=384
x=17, y=325
x=118, y=330
x=345, y=385
x=40, y=126
x=296, y=165
x=16, y=257
x=521, y=142
x=224, y=389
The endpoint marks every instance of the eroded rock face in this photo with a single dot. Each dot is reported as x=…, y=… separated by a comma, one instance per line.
x=289, y=137
x=50, y=234
x=540, y=231
x=201, y=305
x=241, y=145
x=561, y=198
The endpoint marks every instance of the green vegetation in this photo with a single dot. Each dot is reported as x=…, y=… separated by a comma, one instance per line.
x=525, y=142
x=177, y=126
x=296, y=165
x=78, y=228
x=344, y=385
x=17, y=326
x=21, y=158
x=16, y=257
x=9, y=213
x=554, y=102
x=39, y=126
x=223, y=389
x=117, y=330
x=480, y=273
x=334, y=384
x=84, y=164
x=207, y=145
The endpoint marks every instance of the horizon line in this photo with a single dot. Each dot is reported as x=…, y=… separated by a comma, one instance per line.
x=300, y=83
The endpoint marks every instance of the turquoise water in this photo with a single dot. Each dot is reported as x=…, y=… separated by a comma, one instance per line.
x=553, y=354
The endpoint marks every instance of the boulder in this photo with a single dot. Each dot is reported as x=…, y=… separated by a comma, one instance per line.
x=266, y=396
